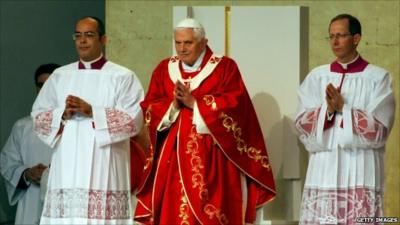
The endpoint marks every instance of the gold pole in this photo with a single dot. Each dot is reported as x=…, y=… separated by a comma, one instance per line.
x=227, y=30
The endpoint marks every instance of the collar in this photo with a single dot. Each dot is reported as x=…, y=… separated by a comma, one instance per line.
x=96, y=64
x=196, y=65
x=355, y=66
x=210, y=62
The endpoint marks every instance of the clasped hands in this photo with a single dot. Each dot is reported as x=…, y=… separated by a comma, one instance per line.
x=334, y=99
x=34, y=174
x=183, y=96
x=74, y=105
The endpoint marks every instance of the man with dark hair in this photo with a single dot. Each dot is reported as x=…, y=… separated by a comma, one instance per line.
x=354, y=23
x=42, y=73
x=346, y=112
x=23, y=159
x=86, y=113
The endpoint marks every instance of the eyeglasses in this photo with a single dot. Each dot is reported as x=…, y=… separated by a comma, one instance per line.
x=79, y=35
x=338, y=36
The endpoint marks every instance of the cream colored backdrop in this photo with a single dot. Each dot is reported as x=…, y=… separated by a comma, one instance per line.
x=140, y=36
x=258, y=49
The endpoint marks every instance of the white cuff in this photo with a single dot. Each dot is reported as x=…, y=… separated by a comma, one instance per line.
x=201, y=126
x=169, y=117
x=330, y=115
x=27, y=182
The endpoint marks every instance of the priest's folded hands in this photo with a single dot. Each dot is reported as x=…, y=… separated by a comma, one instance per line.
x=74, y=105
x=34, y=174
x=334, y=99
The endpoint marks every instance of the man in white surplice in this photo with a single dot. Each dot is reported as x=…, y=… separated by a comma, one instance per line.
x=23, y=160
x=345, y=115
x=86, y=112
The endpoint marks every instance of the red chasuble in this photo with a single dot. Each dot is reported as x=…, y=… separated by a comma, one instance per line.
x=219, y=177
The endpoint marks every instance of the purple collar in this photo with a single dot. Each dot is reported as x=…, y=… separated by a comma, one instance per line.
x=354, y=67
x=95, y=65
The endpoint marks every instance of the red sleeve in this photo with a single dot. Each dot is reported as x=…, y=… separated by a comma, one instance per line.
x=158, y=98
x=229, y=114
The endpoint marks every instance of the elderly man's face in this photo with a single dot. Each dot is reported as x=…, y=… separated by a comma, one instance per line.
x=88, y=43
x=187, y=46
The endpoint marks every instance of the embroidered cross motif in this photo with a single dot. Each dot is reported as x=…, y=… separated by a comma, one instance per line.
x=174, y=59
x=214, y=59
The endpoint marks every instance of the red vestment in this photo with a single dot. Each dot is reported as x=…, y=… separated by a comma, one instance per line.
x=196, y=177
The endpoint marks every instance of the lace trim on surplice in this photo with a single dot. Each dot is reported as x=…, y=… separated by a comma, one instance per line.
x=119, y=123
x=43, y=123
x=90, y=204
x=339, y=206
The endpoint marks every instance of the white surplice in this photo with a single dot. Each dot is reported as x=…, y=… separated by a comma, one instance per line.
x=345, y=177
x=23, y=150
x=89, y=180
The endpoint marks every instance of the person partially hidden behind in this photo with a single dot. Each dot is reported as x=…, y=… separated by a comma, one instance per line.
x=210, y=164
x=23, y=159
x=346, y=111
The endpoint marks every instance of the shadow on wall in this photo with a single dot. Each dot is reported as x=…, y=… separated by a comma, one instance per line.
x=270, y=119
x=286, y=158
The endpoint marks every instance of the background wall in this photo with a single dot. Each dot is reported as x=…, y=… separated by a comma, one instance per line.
x=140, y=36
x=32, y=33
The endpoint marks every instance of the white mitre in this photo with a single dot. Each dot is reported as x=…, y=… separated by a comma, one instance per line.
x=189, y=23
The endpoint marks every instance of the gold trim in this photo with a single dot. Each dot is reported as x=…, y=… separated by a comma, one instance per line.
x=147, y=117
x=160, y=159
x=210, y=101
x=212, y=211
x=192, y=147
x=184, y=208
x=253, y=153
x=240, y=168
x=149, y=159
x=175, y=73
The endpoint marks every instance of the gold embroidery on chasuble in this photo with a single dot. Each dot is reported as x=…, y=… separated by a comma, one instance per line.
x=147, y=116
x=184, y=207
x=192, y=148
x=147, y=120
x=210, y=101
x=211, y=211
x=252, y=152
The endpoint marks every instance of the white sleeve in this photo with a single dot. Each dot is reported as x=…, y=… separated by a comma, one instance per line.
x=12, y=166
x=169, y=118
x=125, y=119
x=47, y=114
x=201, y=126
x=370, y=127
x=310, y=117
x=306, y=124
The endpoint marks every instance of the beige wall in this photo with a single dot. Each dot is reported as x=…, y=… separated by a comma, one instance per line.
x=140, y=36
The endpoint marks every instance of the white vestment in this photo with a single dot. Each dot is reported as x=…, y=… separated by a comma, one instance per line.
x=345, y=176
x=89, y=180
x=23, y=150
